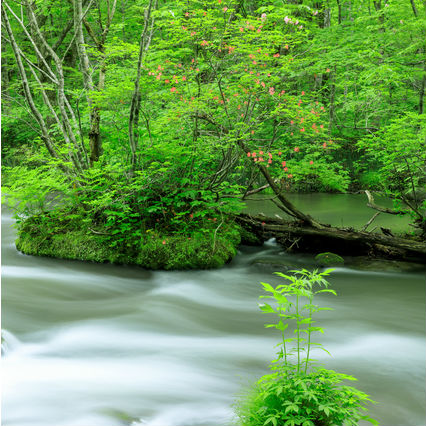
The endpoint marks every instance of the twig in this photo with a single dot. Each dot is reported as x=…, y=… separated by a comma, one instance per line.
x=364, y=228
x=294, y=242
x=98, y=232
x=215, y=232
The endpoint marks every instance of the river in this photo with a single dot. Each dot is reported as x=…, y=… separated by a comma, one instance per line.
x=104, y=345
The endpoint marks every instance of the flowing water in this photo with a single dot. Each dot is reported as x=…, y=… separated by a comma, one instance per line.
x=104, y=345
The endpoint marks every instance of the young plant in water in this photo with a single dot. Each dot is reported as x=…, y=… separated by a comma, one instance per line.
x=297, y=392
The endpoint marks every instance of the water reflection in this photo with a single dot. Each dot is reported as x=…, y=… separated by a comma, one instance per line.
x=336, y=209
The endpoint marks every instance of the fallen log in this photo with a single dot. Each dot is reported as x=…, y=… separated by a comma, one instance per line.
x=348, y=240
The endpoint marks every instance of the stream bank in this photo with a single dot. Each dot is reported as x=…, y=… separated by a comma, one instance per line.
x=217, y=244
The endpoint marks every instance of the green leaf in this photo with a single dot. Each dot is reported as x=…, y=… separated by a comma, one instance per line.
x=268, y=287
x=265, y=307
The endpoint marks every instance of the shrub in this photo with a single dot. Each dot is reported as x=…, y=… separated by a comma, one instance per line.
x=297, y=392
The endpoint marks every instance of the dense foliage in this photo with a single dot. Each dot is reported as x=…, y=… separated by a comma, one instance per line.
x=148, y=116
x=132, y=130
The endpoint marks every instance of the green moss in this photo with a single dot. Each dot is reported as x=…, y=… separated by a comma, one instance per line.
x=329, y=259
x=177, y=252
x=70, y=240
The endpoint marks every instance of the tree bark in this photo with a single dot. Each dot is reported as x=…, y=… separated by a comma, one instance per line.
x=413, y=7
x=26, y=87
x=69, y=125
x=422, y=90
x=332, y=98
x=144, y=43
x=95, y=141
x=333, y=236
x=339, y=12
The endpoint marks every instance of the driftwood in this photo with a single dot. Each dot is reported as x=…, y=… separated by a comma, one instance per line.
x=327, y=238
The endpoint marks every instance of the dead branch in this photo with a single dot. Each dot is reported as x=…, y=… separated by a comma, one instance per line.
x=374, y=206
x=255, y=191
x=364, y=228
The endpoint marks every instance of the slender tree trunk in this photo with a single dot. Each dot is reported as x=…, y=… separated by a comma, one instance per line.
x=95, y=141
x=422, y=91
x=331, y=102
x=413, y=6
x=327, y=17
x=144, y=43
x=4, y=78
x=339, y=12
x=26, y=87
x=95, y=115
x=69, y=125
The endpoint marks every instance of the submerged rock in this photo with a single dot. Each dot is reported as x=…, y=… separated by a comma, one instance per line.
x=273, y=264
x=363, y=263
x=329, y=259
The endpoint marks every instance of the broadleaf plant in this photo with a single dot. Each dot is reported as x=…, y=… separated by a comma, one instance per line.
x=298, y=391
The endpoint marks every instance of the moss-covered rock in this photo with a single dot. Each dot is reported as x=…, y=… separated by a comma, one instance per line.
x=206, y=250
x=329, y=259
x=180, y=252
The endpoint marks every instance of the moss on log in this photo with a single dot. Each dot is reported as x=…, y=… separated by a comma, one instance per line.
x=347, y=241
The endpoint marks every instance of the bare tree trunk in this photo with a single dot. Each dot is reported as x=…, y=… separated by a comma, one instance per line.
x=44, y=53
x=332, y=97
x=69, y=125
x=50, y=70
x=4, y=78
x=95, y=140
x=145, y=41
x=94, y=133
x=339, y=12
x=422, y=91
x=26, y=87
x=413, y=6
x=327, y=17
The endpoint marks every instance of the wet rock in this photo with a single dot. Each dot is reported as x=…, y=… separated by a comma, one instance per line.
x=121, y=416
x=365, y=264
x=329, y=259
x=272, y=264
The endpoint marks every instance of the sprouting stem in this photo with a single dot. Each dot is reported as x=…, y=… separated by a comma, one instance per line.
x=298, y=331
x=283, y=337
x=309, y=332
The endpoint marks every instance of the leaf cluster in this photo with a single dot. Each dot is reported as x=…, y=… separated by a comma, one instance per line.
x=297, y=392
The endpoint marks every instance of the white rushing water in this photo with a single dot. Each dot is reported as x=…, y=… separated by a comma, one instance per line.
x=103, y=345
